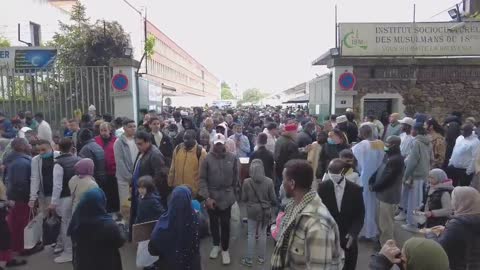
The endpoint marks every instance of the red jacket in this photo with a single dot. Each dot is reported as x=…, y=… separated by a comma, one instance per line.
x=110, y=165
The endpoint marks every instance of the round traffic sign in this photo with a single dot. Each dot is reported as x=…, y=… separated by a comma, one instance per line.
x=120, y=82
x=347, y=81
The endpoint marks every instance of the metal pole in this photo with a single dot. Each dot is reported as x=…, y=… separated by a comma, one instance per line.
x=336, y=28
x=414, y=11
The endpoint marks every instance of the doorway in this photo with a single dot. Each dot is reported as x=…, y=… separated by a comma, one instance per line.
x=380, y=108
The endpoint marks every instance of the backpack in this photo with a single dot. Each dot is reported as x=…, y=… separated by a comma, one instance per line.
x=199, y=150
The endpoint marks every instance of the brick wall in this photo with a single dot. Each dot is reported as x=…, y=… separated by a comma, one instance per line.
x=436, y=90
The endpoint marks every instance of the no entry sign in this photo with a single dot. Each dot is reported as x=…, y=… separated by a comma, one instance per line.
x=347, y=81
x=120, y=82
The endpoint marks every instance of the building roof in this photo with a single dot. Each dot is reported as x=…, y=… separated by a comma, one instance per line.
x=300, y=99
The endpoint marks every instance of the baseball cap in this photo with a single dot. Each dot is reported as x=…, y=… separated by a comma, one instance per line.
x=408, y=121
x=219, y=138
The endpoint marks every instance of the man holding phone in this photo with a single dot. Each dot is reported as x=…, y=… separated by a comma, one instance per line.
x=218, y=183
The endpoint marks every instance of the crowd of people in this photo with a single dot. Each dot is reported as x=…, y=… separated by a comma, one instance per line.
x=324, y=185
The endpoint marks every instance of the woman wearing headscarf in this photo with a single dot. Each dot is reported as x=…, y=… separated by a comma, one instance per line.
x=437, y=206
x=461, y=235
x=417, y=254
x=178, y=227
x=95, y=236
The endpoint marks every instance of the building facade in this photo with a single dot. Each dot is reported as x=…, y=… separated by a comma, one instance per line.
x=178, y=72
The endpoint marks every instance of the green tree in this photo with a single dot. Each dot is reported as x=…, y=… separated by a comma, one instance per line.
x=4, y=43
x=253, y=95
x=81, y=43
x=226, y=91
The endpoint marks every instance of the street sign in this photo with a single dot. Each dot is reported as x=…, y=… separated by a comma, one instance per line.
x=120, y=82
x=347, y=81
x=25, y=59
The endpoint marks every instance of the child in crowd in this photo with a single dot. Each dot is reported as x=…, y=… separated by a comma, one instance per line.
x=149, y=204
x=83, y=181
x=259, y=194
x=437, y=207
x=6, y=254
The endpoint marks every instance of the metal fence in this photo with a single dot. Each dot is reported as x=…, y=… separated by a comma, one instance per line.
x=58, y=93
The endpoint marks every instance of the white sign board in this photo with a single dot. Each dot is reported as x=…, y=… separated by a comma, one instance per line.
x=7, y=57
x=410, y=39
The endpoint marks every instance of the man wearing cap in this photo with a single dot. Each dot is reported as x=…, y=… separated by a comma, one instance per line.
x=285, y=149
x=394, y=128
x=348, y=127
x=242, y=144
x=407, y=139
x=218, y=183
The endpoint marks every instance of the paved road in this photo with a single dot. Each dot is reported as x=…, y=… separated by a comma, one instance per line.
x=44, y=260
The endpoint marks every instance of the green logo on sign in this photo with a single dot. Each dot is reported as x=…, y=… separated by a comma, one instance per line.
x=352, y=40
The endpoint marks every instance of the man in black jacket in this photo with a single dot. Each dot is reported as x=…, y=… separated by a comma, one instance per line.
x=388, y=186
x=150, y=161
x=344, y=201
x=264, y=155
x=306, y=137
x=285, y=149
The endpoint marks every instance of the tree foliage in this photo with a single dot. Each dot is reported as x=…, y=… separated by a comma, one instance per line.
x=253, y=95
x=226, y=91
x=4, y=43
x=150, y=46
x=82, y=43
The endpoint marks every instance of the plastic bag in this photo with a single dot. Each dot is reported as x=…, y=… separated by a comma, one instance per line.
x=51, y=228
x=275, y=228
x=144, y=259
x=32, y=234
x=235, y=221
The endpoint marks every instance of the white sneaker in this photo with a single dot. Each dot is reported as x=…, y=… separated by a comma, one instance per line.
x=225, y=257
x=400, y=217
x=57, y=250
x=64, y=258
x=214, y=253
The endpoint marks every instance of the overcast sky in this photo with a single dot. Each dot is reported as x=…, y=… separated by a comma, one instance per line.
x=270, y=44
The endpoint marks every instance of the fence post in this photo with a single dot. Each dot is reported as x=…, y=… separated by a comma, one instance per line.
x=124, y=87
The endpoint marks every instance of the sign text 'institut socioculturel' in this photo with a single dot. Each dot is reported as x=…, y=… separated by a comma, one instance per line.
x=410, y=39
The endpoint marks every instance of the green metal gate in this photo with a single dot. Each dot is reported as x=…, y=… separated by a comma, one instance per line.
x=58, y=93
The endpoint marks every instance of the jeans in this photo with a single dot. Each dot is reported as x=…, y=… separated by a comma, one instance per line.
x=412, y=198
x=253, y=227
x=220, y=222
x=64, y=210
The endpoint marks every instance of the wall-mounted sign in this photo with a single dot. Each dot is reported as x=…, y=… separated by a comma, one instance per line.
x=347, y=81
x=410, y=39
x=27, y=58
x=120, y=82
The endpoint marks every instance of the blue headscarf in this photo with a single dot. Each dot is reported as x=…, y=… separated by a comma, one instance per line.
x=178, y=225
x=90, y=211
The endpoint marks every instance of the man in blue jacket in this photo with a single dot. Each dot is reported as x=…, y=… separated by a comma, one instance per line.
x=18, y=191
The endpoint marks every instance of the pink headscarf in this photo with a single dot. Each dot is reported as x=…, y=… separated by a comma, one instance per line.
x=84, y=167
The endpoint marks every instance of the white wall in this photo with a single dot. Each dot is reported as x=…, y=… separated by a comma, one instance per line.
x=24, y=11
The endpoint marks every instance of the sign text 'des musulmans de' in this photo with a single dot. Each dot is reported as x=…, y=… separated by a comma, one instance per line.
x=410, y=39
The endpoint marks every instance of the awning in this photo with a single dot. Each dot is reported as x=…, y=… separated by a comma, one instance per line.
x=300, y=99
